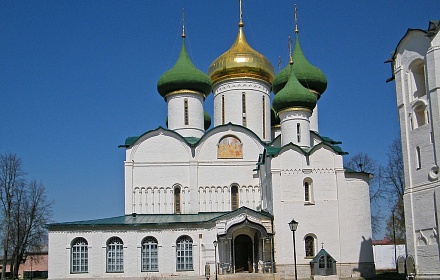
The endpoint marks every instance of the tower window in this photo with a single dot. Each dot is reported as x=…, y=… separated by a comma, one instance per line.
x=298, y=132
x=420, y=115
x=243, y=108
x=234, y=197
x=186, y=111
x=264, y=117
x=419, y=159
x=177, y=200
x=223, y=109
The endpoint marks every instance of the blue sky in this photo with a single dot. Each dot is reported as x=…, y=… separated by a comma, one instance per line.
x=78, y=77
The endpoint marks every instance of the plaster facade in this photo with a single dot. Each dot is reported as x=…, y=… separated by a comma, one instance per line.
x=416, y=70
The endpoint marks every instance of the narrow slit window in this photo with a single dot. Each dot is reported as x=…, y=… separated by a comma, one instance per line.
x=177, y=200
x=186, y=111
x=306, y=192
x=264, y=117
x=234, y=197
x=243, y=108
x=298, y=132
x=223, y=109
x=419, y=158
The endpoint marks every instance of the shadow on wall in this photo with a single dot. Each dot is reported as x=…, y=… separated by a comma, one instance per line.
x=366, y=259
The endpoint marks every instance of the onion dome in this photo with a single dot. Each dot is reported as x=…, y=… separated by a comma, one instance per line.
x=241, y=61
x=274, y=118
x=206, y=120
x=281, y=79
x=184, y=76
x=294, y=95
x=308, y=75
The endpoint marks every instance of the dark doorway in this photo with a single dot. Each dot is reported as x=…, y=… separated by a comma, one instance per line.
x=243, y=253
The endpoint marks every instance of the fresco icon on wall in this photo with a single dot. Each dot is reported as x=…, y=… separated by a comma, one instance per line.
x=230, y=147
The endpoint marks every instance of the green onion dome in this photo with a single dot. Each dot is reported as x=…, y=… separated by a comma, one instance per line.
x=294, y=95
x=308, y=75
x=274, y=118
x=206, y=120
x=281, y=79
x=184, y=76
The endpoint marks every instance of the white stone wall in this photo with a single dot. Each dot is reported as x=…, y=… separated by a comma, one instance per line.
x=176, y=114
x=295, y=127
x=338, y=217
x=384, y=255
x=421, y=182
x=231, y=92
x=60, y=244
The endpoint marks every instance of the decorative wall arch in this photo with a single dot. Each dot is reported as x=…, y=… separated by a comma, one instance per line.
x=249, y=224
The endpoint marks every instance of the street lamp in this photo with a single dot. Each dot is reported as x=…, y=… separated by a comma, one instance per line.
x=215, y=256
x=293, y=226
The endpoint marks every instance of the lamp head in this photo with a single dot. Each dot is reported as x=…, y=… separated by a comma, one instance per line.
x=293, y=225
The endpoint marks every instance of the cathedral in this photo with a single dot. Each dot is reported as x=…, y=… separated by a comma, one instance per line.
x=416, y=72
x=255, y=190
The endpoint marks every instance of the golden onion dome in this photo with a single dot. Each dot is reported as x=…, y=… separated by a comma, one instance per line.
x=241, y=61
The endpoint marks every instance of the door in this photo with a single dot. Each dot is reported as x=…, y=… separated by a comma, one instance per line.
x=243, y=253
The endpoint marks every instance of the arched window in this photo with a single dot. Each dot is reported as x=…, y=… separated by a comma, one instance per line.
x=420, y=115
x=177, y=200
x=308, y=191
x=79, y=256
x=418, y=158
x=184, y=256
x=234, y=197
x=149, y=254
x=309, y=246
x=115, y=255
x=418, y=87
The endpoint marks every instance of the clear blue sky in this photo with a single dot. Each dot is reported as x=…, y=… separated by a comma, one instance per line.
x=78, y=77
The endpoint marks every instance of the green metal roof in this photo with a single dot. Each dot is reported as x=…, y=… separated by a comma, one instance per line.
x=322, y=252
x=142, y=220
x=129, y=141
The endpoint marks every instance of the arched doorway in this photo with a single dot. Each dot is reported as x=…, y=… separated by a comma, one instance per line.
x=243, y=253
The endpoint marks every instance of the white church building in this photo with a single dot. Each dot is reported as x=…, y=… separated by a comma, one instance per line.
x=416, y=71
x=196, y=196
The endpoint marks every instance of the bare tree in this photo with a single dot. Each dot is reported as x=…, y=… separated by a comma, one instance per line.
x=395, y=182
x=362, y=162
x=11, y=179
x=28, y=211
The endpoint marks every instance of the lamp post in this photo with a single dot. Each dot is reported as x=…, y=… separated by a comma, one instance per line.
x=293, y=226
x=215, y=257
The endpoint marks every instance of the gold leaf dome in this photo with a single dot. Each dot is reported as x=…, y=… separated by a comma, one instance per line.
x=241, y=61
